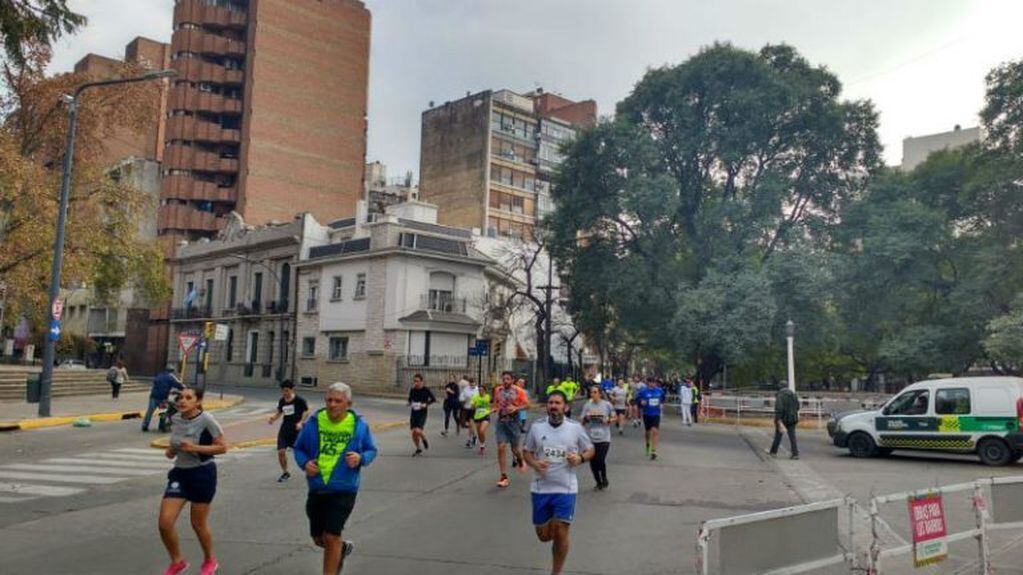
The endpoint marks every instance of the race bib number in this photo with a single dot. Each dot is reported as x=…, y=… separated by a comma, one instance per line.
x=555, y=454
x=654, y=401
x=288, y=410
x=416, y=406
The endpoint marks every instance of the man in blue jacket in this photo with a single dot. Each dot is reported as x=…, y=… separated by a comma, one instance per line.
x=334, y=444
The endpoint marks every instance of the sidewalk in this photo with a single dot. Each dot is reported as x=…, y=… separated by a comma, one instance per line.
x=65, y=410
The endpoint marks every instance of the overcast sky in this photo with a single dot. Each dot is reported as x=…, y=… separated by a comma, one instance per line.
x=922, y=62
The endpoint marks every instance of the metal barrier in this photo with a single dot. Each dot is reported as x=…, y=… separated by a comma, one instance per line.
x=778, y=542
x=758, y=407
x=1005, y=512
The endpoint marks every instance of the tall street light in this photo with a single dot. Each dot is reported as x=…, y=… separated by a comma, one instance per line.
x=46, y=377
x=790, y=335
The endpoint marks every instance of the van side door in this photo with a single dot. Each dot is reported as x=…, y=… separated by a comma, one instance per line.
x=953, y=407
x=906, y=422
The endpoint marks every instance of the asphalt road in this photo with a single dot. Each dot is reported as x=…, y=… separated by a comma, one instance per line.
x=439, y=514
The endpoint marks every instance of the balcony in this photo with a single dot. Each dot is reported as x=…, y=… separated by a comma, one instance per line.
x=188, y=188
x=198, y=12
x=191, y=313
x=195, y=70
x=190, y=129
x=201, y=42
x=182, y=157
x=183, y=97
x=184, y=217
x=442, y=302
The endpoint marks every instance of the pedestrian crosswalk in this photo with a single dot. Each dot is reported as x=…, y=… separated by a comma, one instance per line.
x=247, y=409
x=73, y=475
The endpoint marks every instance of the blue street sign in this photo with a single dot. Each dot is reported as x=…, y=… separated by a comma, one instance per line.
x=54, y=330
x=482, y=347
x=473, y=352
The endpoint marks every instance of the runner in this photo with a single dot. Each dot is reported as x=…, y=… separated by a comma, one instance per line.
x=481, y=418
x=419, y=399
x=523, y=413
x=597, y=415
x=570, y=389
x=452, y=408
x=195, y=438
x=466, y=397
x=618, y=395
x=332, y=448
x=509, y=400
x=638, y=386
x=650, y=400
x=295, y=410
x=685, y=402
x=554, y=386
x=555, y=446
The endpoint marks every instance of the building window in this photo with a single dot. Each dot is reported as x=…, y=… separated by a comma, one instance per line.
x=284, y=348
x=308, y=346
x=209, y=294
x=257, y=291
x=360, y=286
x=232, y=292
x=338, y=348
x=335, y=292
x=253, y=352
x=314, y=296
x=270, y=344
x=407, y=240
x=229, y=346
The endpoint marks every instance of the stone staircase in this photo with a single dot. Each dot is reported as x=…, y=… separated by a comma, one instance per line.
x=66, y=383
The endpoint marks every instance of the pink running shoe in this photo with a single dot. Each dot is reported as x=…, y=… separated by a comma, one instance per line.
x=177, y=568
x=209, y=567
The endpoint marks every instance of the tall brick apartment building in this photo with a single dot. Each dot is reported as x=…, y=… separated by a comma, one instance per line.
x=486, y=160
x=267, y=116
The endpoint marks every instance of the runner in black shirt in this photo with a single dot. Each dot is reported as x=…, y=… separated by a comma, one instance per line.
x=419, y=398
x=452, y=408
x=295, y=410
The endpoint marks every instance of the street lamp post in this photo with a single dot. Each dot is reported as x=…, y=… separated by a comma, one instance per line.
x=46, y=377
x=790, y=335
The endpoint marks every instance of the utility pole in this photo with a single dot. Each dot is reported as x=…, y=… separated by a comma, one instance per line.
x=790, y=335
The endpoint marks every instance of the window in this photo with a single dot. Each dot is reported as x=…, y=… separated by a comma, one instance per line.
x=229, y=345
x=314, y=295
x=189, y=296
x=284, y=347
x=335, y=293
x=407, y=240
x=253, y=352
x=209, y=294
x=360, y=286
x=270, y=345
x=232, y=292
x=338, y=348
x=952, y=401
x=257, y=290
x=909, y=403
x=308, y=346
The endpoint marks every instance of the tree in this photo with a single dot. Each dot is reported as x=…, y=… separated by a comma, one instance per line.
x=38, y=22
x=1004, y=345
x=709, y=171
x=103, y=246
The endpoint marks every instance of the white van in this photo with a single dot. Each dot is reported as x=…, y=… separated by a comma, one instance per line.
x=981, y=415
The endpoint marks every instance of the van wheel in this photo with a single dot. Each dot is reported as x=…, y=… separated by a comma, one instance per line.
x=862, y=445
x=994, y=451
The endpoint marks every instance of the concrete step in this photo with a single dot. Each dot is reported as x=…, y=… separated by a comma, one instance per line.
x=70, y=391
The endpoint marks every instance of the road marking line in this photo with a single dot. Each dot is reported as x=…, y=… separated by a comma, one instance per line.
x=76, y=468
x=136, y=450
x=157, y=456
x=15, y=499
x=110, y=462
x=45, y=490
x=60, y=478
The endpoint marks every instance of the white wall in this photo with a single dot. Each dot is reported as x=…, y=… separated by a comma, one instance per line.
x=348, y=314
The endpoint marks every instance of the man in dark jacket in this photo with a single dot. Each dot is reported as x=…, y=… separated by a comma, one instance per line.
x=786, y=416
x=333, y=446
x=163, y=383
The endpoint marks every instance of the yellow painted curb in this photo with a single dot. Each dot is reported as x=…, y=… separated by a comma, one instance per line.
x=164, y=442
x=29, y=424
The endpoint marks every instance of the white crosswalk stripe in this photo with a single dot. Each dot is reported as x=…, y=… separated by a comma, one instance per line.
x=75, y=474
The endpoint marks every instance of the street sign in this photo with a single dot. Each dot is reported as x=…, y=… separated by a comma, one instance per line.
x=474, y=352
x=220, y=332
x=54, y=330
x=927, y=518
x=186, y=341
x=483, y=347
x=57, y=309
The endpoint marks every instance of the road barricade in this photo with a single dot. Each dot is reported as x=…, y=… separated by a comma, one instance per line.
x=784, y=541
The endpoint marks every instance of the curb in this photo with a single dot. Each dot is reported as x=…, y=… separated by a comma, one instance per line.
x=30, y=424
x=164, y=442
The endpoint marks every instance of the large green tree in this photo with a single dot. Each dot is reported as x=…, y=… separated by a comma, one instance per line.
x=711, y=171
x=34, y=22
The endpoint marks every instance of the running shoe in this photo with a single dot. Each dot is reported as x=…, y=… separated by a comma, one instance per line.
x=503, y=482
x=177, y=568
x=418, y=452
x=444, y=433
x=209, y=567
x=468, y=444
x=483, y=451
x=794, y=456
x=346, y=548
x=426, y=444
x=771, y=453
x=653, y=455
x=284, y=477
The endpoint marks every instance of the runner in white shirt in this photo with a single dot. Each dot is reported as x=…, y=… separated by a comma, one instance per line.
x=470, y=391
x=554, y=447
x=619, y=400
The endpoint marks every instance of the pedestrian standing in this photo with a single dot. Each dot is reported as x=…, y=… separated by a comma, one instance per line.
x=786, y=416
x=117, y=375
x=554, y=447
x=332, y=448
x=685, y=402
x=452, y=407
x=466, y=397
x=597, y=416
x=509, y=400
x=294, y=410
x=196, y=438
x=419, y=400
x=163, y=383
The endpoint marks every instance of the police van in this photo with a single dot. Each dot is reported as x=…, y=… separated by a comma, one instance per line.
x=981, y=415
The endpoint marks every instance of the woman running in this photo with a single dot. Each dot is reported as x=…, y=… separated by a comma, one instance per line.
x=597, y=415
x=195, y=438
x=481, y=417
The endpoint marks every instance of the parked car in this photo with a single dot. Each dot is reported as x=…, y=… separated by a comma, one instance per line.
x=72, y=364
x=982, y=415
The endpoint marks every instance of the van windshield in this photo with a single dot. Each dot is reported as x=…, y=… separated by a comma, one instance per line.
x=909, y=403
